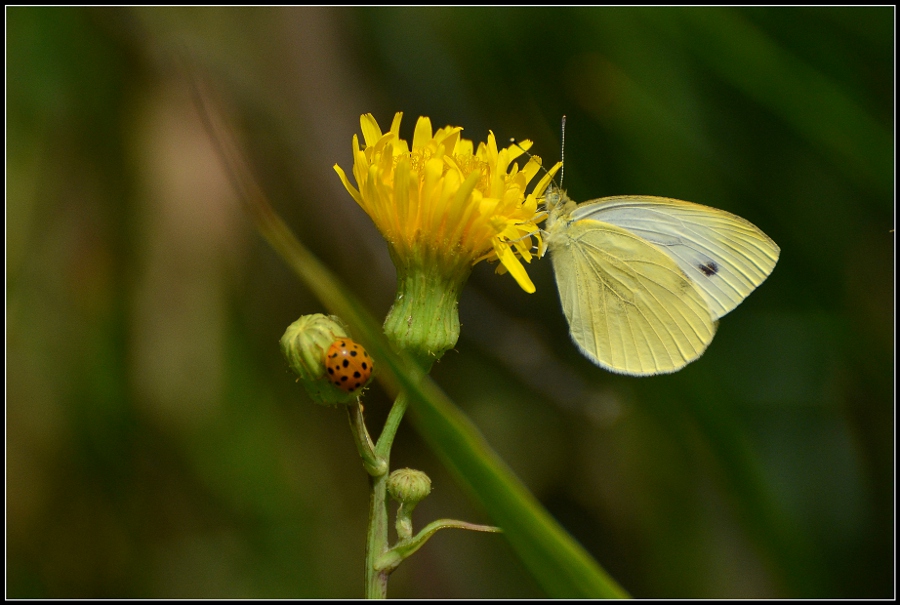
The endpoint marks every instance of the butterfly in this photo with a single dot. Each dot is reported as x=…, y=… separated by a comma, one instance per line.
x=643, y=280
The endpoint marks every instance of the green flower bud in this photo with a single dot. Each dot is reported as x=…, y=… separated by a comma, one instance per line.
x=304, y=344
x=408, y=486
x=424, y=319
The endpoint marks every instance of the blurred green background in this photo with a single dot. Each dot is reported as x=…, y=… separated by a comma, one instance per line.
x=157, y=445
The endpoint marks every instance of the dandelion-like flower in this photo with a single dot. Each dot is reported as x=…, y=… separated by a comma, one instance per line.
x=443, y=206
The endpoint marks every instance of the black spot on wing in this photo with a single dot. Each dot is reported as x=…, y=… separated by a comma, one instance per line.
x=709, y=269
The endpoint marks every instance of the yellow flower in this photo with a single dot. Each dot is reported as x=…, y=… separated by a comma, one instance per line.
x=446, y=201
x=442, y=207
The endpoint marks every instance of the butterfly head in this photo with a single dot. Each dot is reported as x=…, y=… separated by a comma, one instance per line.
x=557, y=204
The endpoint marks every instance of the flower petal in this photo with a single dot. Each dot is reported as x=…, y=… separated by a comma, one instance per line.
x=542, y=184
x=395, y=124
x=350, y=188
x=422, y=137
x=515, y=268
x=370, y=129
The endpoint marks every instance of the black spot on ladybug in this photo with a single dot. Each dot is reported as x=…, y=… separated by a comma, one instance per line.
x=709, y=269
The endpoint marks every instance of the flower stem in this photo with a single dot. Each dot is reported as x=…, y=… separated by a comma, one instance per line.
x=377, y=538
x=374, y=464
x=377, y=535
x=386, y=440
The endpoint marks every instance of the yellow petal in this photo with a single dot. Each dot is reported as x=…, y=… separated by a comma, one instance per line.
x=542, y=184
x=463, y=147
x=448, y=138
x=370, y=129
x=515, y=268
x=518, y=148
x=401, y=191
x=532, y=167
x=395, y=124
x=350, y=188
x=422, y=137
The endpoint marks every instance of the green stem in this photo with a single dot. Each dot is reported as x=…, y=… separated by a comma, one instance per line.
x=386, y=440
x=373, y=464
x=377, y=538
x=403, y=524
x=377, y=535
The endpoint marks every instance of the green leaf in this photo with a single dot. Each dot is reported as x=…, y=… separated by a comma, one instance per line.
x=392, y=558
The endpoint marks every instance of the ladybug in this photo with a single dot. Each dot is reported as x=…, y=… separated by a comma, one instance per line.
x=349, y=365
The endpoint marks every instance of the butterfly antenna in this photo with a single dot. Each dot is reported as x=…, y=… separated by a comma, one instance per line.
x=526, y=152
x=562, y=153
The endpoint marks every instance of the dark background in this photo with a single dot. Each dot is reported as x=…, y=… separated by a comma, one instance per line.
x=157, y=445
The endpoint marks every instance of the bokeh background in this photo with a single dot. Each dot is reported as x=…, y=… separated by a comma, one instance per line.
x=156, y=444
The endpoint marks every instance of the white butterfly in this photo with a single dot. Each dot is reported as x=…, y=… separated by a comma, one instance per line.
x=643, y=280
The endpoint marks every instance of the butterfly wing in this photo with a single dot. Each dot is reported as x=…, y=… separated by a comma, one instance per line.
x=630, y=308
x=726, y=256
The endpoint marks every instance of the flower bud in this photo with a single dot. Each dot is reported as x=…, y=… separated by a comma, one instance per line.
x=408, y=486
x=304, y=344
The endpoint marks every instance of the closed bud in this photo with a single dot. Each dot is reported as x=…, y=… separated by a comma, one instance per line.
x=304, y=344
x=408, y=486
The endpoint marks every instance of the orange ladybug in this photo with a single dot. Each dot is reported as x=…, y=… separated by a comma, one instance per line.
x=349, y=365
